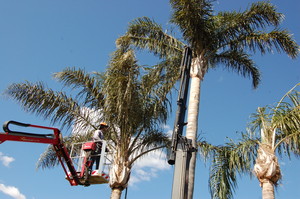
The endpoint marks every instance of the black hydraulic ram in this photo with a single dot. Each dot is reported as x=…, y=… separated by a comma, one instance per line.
x=181, y=103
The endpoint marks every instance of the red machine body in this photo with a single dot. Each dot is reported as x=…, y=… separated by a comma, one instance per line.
x=89, y=146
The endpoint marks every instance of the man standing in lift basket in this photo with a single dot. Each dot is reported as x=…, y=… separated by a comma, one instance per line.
x=97, y=138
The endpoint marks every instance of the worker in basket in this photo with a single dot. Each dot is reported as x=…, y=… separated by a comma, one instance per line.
x=97, y=138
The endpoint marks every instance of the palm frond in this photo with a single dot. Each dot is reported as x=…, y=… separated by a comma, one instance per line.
x=145, y=33
x=286, y=119
x=164, y=75
x=207, y=150
x=48, y=159
x=260, y=15
x=36, y=98
x=239, y=62
x=247, y=30
x=280, y=40
x=78, y=78
x=120, y=87
x=260, y=119
x=222, y=180
x=229, y=160
x=243, y=153
x=193, y=19
x=288, y=94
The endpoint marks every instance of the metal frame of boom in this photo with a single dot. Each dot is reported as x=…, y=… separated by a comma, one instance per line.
x=55, y=139
x=181, y=147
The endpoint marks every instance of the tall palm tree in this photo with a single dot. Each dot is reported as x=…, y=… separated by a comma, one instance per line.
x=223, y=39
x=128, y=101
x=274, y=130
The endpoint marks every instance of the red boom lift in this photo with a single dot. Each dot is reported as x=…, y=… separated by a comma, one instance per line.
x=84, y=175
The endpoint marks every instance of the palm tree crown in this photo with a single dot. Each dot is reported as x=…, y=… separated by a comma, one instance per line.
x=224, y=38
x=273, y=131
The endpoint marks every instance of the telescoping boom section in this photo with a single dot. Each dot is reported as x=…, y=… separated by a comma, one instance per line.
x=55, y=139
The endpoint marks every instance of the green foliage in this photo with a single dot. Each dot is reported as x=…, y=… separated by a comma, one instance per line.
x=225, y=38
x=44, y=102
x=133, y=104
x=193, y=17
x=275, y=126
x=227, y=161
x=89, y=85
x=145, y=33
x=136, y=105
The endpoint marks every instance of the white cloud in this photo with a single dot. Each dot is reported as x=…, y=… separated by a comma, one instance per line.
x=155, y=159
x=6, y=160
x=148, y=167
x=11, y=191
x=94, y=117
x=169, y=130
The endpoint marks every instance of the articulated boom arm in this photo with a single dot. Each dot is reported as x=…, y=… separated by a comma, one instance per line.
x=55, y=139
x=181, y=104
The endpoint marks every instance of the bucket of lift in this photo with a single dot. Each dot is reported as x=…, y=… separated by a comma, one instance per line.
x=82, y=153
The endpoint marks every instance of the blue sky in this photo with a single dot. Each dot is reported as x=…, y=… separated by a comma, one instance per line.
x=40, y=37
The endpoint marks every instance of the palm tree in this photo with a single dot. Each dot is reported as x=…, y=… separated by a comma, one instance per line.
x=128, y=101
x=223, y=39
x=274, y=130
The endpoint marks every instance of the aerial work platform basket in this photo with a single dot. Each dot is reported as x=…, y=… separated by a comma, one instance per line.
x=83, y=157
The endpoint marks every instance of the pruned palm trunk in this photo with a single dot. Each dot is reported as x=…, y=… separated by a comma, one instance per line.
x=267, y=170
x=116, y=193
x=119, y=177
x=268, y=190
x=197, y=72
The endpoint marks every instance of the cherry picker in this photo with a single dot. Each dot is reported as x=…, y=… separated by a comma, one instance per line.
x=81, y=153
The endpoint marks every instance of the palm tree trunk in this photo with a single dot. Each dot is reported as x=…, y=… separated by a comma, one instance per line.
x=116, y=193
x=119, y=176
x=267, y=190
x=267, y=169
x=193, y=110
x=191, y=132
x=198, y=70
